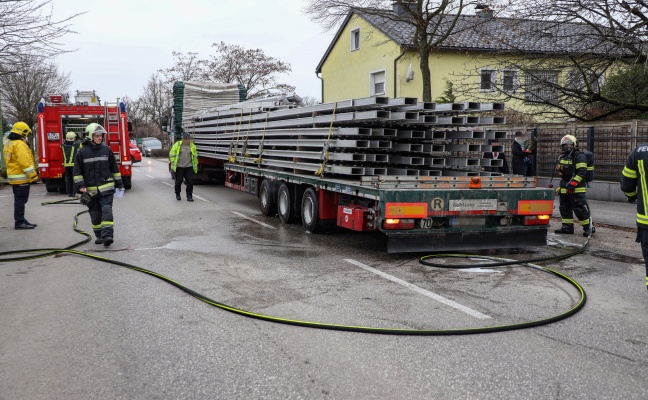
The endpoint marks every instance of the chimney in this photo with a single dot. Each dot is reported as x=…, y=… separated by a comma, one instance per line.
x=401, y=8
x=484, y=12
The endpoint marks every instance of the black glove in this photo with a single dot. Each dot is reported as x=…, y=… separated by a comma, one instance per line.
x=632, y=199
x=86, y=198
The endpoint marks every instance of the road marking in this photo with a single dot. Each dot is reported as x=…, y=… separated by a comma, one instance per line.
x=168, y=184
x=253, y=220
x=152, y=177
x=420, y=290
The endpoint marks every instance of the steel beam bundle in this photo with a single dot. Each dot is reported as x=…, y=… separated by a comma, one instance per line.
x=360, y=137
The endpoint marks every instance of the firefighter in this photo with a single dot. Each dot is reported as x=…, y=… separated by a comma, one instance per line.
x=573, y=186
x=20, y=171
x=96, y=174
x=633, y=184
x=70, y=147
x=184, y=162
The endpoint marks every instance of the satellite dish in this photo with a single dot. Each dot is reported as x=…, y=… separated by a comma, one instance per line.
x=410, y=73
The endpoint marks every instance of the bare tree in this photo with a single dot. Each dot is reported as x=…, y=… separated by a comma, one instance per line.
x=29, y=27
x=574, y=58
x=22, y=90
x=430, y=22
x=310, y=101
x=186, y=67
x=135, y=111
x=156, y=100
x=251, y=68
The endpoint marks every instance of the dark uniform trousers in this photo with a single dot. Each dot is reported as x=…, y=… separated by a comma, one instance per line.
x=188, y=175
x=101, y=215
x=69, y=181
x=21, y=196
x=571, y=204
x=642, y=237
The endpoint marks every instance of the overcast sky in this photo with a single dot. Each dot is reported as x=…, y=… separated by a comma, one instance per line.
x=120, y=43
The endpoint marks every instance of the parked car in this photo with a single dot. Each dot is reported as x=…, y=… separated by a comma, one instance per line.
x=149, y=145
x=135, y=153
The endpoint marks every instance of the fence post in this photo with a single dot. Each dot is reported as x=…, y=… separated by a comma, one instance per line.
x=590, y=139
x=633, y=134
x=534, y=158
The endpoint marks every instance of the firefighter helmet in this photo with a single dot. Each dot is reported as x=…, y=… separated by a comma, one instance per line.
x=569, y=139
x=94, y=129
x=21, y=129
x=70, y=136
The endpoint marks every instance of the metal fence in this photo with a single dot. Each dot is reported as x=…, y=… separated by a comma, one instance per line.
x=611, y=144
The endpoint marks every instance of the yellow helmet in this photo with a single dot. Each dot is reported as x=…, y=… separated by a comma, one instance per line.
x=70, y=136
x=569, y=139
x=21, y=129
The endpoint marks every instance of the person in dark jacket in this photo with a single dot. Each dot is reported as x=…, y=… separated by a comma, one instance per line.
x=70, y=147
x=633, y=184
x=521, y=155
x=573, y=187
x=97, y=175
x=504, y=169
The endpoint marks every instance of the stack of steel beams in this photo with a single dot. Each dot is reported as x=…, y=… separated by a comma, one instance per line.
x=369, y=136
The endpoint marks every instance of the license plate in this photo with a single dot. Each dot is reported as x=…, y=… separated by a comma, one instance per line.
x=473, y=205
x=53, y=136
x=426, y=223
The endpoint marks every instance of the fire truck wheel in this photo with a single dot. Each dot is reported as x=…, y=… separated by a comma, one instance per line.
x=127, y=182
x=268, y=199
x=285, y=206
x=51, y=187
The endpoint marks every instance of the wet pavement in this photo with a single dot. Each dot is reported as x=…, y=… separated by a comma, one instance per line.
x=75, y=328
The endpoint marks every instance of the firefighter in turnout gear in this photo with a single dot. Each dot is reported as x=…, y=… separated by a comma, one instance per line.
x=96, y=174
x=573, y=168
x=70, y=148
x=20, y=171
x=633, y=184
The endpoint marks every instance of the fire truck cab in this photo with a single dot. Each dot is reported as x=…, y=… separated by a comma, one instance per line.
x=57, y=116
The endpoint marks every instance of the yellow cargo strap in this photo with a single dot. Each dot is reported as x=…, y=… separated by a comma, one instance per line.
x=325, y=150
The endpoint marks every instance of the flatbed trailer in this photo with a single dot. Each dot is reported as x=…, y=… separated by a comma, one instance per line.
x=418, y=214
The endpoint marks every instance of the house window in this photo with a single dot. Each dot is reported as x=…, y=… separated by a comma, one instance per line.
x=576, y=81
x=509, y=81
x=487, y=83
x=541, y=86
x=355, y=39
x=377, y=82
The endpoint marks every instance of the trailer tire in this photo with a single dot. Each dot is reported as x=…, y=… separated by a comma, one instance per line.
x=310, y=212
x=268, y=198
x=285, y=206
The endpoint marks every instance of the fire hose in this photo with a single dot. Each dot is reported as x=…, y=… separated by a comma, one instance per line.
x=497, y=262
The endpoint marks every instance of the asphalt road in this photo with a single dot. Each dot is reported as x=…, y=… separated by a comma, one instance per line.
x=75, y=328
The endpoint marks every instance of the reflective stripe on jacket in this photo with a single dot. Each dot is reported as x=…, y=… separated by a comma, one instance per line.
x=69, y=151
x=95, y=168
x=574, y=169
x=633, y=182
x=174, y=155
x=20, y=162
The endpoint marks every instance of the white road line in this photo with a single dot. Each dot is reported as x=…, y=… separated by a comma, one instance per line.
x=168, y=184
x=420, y=290
x=152, y=177
x=253, y=220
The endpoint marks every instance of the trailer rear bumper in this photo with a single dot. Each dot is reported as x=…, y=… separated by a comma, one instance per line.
x=402, y=242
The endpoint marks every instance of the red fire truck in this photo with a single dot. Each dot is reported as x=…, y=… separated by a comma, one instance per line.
x=57, y=116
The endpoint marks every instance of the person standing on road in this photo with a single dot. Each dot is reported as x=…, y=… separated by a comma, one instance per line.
x=96, y=174
x=184, y=162
x=633, y=185
x=20, y=171
x=70, y=147
x=573, y=186
x=521, y=155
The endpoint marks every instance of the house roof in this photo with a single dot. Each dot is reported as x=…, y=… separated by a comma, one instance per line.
x=474, y=33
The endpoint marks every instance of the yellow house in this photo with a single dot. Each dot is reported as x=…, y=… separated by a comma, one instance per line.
x=372, y=54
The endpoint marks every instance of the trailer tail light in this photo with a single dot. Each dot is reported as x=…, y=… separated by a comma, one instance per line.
x=535, y=207
x=536, y=220
x=398, y=224
x=406, y=210
x=475, y=183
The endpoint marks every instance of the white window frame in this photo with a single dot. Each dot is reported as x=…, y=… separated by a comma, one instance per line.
x=372, y=83
x=353, y=42
x=516, y=80
x=493, y=80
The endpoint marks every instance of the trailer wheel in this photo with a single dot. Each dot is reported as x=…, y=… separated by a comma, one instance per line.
x=127, y=182
x=268, y=199
x=285, y=206
x=310, y=211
